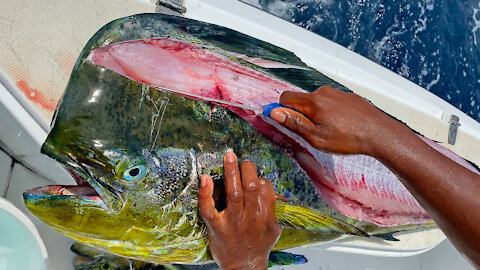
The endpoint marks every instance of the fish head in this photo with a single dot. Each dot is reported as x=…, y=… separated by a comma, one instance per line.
x=152, y=179
x=133, y=160
x=119, y=190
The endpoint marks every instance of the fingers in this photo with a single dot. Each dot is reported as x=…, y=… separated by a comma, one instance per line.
x=298, y=101
x=251, y=188
x=267, y=200
x=259, y=198
x=233, y=187
x=206, y=205
x=309, y=104
x=268, y=197
x=297, y=123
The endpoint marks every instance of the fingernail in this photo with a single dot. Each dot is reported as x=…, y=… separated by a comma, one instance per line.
x=203, y=181
x=230, y=156
x=278, y=115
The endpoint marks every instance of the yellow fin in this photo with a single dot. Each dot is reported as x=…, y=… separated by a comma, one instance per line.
x=303, y=218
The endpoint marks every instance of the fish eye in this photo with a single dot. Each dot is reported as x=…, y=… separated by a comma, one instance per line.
x=135, y=173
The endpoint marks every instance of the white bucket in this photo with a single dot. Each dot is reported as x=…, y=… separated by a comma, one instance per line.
x=20, y=244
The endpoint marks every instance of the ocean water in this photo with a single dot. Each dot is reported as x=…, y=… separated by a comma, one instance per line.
x=435, y=44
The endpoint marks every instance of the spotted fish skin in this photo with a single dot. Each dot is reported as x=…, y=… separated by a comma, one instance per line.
x=356, y=185
x=137, y=153
x=143, y=164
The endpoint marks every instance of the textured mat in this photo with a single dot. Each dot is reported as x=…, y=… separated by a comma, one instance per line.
x=41, y=40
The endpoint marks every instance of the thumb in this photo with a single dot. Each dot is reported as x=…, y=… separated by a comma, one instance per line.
x=297, y=123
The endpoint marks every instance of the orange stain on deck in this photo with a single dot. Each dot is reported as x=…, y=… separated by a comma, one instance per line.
x=36, y=96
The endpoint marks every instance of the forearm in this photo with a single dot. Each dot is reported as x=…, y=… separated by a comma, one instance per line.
x=448, y=191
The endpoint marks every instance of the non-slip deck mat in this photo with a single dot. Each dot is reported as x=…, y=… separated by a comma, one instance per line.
x=41, y=40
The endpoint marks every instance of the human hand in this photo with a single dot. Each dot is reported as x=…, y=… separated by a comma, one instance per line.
x=242, y=235
x=332, y=120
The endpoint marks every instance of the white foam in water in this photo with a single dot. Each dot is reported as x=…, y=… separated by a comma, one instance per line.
x=409, y=38
x=385, y=44
x=477, y=23
x=435, y=81
x=422, y=26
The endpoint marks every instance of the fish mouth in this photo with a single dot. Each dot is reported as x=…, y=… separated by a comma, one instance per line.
x=90, y=193
x=85, y=192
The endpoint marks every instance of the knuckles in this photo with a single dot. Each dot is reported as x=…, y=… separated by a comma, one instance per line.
x=252, y=187
x=323, y=90
x=265, y=183
x=294, y=122
x=236, y=197
x=231, y=171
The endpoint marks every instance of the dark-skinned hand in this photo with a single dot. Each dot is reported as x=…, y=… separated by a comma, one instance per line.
x=242, y=235
x=345, y=123
x=330, y=119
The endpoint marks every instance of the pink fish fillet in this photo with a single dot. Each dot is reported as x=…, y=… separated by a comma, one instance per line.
x=355, y=185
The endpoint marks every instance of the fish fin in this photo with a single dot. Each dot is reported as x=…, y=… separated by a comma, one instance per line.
x=92, y=258
x=262, y=62
x=302, y=218
x=285, y=258
x=386, y=236
x=389, y=236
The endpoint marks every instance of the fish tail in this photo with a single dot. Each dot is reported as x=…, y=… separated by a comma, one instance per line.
x=386, y=236
x=285, y=258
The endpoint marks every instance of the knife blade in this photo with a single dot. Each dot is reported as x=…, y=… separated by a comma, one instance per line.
x=266, y=109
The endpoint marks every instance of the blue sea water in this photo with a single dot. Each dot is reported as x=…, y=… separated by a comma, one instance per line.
x=435, y=44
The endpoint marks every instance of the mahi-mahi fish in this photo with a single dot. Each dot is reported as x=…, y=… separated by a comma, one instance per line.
x=137, y=152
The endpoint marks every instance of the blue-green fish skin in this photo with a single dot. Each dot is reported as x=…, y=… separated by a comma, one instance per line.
x=142, y=150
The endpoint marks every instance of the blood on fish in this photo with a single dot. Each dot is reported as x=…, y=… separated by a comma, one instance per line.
x=363, y=184
x=36, y=96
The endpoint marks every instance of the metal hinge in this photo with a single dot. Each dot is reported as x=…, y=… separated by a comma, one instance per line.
x=454, y=123
x=172, y=7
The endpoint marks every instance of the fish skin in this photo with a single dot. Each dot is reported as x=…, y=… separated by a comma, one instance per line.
x=106, y=120
x=155, y=219
x=355, y=182
x=355, y=185
x=364, y=200
x=91, y=258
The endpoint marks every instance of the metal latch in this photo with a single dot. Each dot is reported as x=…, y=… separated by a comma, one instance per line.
x=172, y=7
x=454, y=123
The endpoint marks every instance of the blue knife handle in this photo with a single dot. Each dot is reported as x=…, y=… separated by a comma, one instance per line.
x=267, y=109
